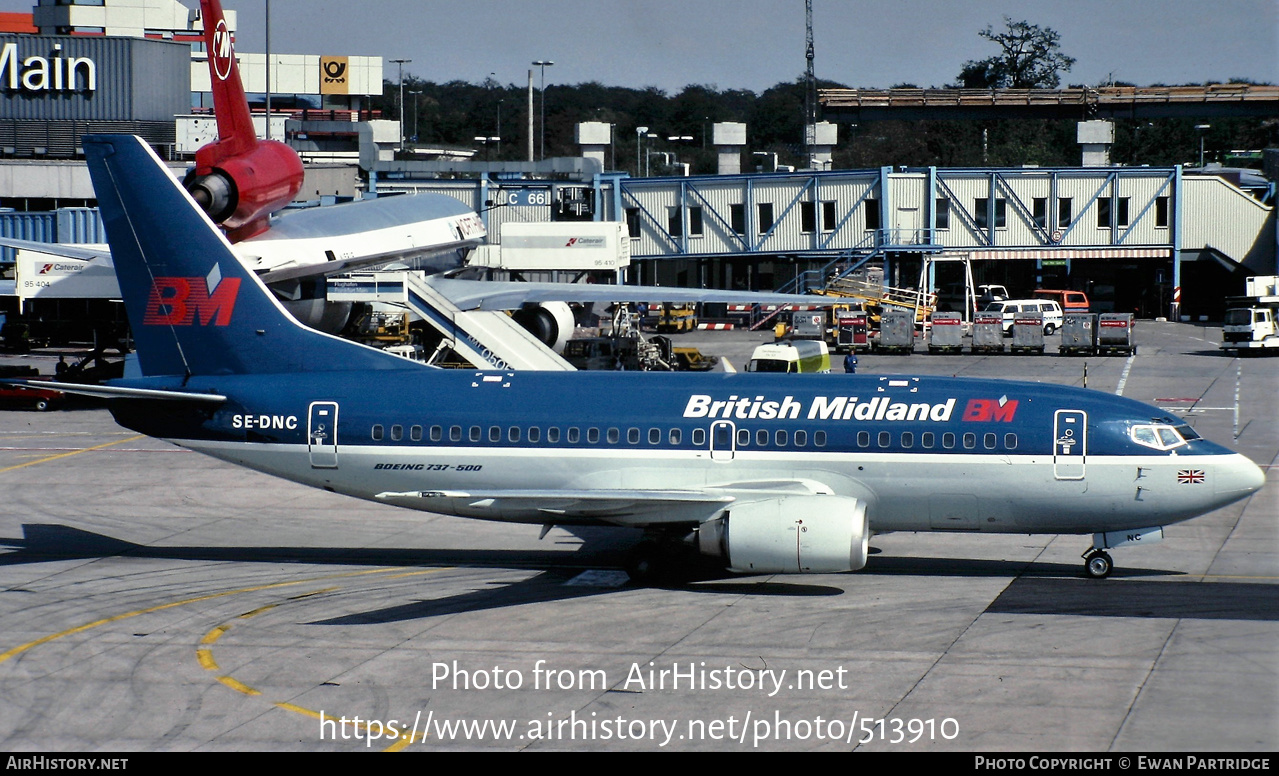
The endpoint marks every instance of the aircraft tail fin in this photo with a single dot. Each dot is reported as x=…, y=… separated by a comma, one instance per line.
x=231, y=107
x=194, y=308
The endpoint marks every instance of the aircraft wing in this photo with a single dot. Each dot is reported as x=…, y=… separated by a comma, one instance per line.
x=81, y=252
x=619, y=506
x=500, y=295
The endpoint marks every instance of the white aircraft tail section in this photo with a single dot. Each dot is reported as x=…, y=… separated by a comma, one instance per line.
x=487, y=339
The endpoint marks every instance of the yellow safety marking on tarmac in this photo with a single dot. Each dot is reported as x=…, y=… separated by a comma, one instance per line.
x=206, y=659
x=214, y=634
x=238, y=686
x=67, y=455
x=18, y=650
x=416, y=573
x=298, y=709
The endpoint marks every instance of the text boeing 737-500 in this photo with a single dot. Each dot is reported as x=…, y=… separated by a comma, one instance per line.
x=773, y=474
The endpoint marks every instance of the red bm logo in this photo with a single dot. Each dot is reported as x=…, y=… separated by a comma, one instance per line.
x=190, y=302
x=991, y=410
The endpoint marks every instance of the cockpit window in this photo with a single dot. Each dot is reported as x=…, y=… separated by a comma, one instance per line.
x=1158, y=436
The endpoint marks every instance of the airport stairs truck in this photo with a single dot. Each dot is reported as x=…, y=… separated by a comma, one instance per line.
x=1252, y=320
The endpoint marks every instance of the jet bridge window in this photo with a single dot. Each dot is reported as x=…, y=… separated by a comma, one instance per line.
x=1156, y=436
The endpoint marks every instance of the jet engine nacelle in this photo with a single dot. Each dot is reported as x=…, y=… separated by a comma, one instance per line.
x=551, y=322
x=790, y=535
x=240, y=190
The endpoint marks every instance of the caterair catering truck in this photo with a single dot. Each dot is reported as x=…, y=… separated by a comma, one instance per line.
x=1251, y=320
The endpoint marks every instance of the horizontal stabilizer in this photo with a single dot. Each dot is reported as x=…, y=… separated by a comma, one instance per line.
x=118, y=392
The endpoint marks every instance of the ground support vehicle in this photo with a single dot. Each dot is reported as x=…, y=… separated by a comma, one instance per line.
x=988, y=333
x=1028, y=332
x=1078, y=334
x=852, y=331
x=946, y=335
x=1115, y=334
x=1252, y=321
x=799, y=356
x=896, y=332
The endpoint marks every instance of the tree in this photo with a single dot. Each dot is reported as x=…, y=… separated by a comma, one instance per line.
x=1031, y=58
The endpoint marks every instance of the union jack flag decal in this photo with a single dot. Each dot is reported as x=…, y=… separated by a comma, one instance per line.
x=1190, y=476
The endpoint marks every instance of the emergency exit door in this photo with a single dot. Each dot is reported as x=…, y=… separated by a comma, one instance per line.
x=322, y=434
x=1070, y=444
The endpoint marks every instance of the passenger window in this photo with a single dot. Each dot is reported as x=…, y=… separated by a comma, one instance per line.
x=990, y=440
x=780, y=438
x=819, y=438
x=593, y=435
x=885, y=439
x=675, y=436
x=948, y=440
x=513, y=434
x=801, y=438
x=415, y=433
x=553, y=435
x=908, y=439
x=654, y=436
x=1010, y=441
x=970, y=441
x=534, y=435
x=699, y=436
x=743, y=437
x=863, y=439
x=455, y=433
x=377, y=433
x=397, y=433
x=632, y=436
x=437, y=433
x=761, y=438
x=613, y=436
x=495, y=433
x=927, y=439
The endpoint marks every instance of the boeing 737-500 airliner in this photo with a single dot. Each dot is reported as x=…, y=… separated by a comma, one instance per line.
x=771, y=473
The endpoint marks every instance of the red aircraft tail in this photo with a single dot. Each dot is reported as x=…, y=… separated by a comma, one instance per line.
x=239, y=180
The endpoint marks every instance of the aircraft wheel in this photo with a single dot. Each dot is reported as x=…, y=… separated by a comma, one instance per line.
x=42, y=405
x=645, y=563
x=1098, y=564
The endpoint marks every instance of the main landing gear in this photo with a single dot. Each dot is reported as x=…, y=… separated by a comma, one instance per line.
x=1097, y=563
x=661, y=557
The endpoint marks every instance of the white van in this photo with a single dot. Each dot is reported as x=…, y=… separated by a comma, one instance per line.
x=1010, y=307
x=803, y=356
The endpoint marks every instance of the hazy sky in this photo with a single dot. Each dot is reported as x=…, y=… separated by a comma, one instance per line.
x=755, y=44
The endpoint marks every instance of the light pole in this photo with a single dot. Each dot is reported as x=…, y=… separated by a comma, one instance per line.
x=1201, y=128
x=401, y=63
x=678, y=139
x=486, y=142
x=415, y=93
x=543, y=64
x=639, y=148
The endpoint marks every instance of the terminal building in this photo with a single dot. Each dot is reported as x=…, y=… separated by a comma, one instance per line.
x=1155, y=241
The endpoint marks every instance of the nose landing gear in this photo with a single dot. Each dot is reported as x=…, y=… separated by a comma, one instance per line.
x=1097, y=563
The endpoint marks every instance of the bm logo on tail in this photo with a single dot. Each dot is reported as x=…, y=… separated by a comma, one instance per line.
x=206, y=301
